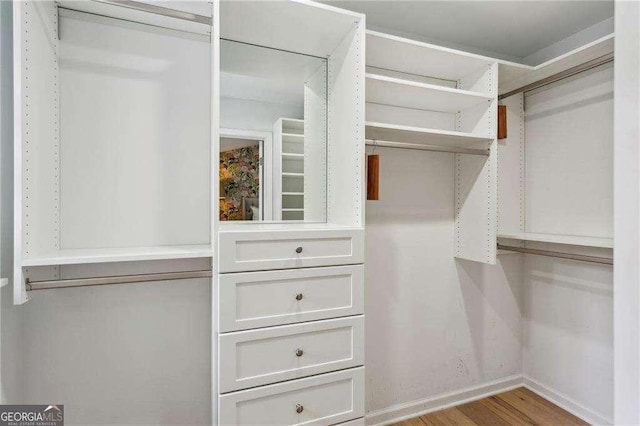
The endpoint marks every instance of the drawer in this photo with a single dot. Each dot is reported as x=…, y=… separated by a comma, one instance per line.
x=241, y=251
x=326, y=399
x=269, y=355
x=263, y=299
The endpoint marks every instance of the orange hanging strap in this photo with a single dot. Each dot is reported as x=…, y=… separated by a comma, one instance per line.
x=373, y=176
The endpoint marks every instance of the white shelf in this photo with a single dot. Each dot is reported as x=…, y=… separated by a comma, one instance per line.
x=292, y=137
x=410, y=94
x=294, y=193
x=414, y=57
x=293, y=156
x=419, y=135
x=293, y=175
x=512, y=75
x=128, y=254
x=573, y=240
x=292, y=123
x=292, y=210
x=299, y=26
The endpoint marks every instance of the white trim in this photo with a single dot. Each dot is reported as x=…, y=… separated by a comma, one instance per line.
x=409, y=410
x=3, y=282
x=267, y=152
x=566, y=403
x=400, y=412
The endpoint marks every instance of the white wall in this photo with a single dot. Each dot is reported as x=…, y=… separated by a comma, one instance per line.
x=136, y=354
x=135, y=136
x=569, y=156
x=567, y=322
x=627, y=203
x=567, y=305
x=433, y=324
x=247, y=114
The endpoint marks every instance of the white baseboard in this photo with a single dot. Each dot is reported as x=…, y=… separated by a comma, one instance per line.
x=565, y=403
x=408, y=410
x=417, y=408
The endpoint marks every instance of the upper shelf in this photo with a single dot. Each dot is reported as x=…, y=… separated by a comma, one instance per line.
x=418, y=135
x=166, y=15
x=414, y=57
x=512, y=75
x=297, y=26
x=404, y=93
x=109, y=255
x=574, y=240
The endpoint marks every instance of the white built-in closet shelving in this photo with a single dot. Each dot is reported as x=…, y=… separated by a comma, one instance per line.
x=410, y=74
x=512, y=223
x=288, y=134
x=514, y=75
x=409, y=81
x=288, y=299
x=426, y=95
x=110, y=168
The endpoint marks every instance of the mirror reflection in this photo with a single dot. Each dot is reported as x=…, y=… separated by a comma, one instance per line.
x=273, y=134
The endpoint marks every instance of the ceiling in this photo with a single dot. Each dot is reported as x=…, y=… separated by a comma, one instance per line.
x=509, y=28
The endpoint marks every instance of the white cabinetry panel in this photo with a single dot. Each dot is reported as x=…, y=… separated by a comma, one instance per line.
x=259, y=357
x=263, y=299
x=254, y=251
x=321, y=400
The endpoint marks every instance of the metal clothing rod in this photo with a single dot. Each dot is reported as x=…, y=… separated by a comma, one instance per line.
x=562, y=75
x=579, y=257
x=118, y=279
x=421, y=147
x=159, y=10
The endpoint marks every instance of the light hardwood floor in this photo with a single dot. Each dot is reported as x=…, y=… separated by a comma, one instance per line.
x=517, y=407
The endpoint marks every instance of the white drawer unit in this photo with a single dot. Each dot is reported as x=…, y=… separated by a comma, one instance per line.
x=264, y=299
x=326, y=399
x=269, y=355
x=241, y=251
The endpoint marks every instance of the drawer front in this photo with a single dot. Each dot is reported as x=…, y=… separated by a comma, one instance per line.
x=264, y=356
x=322, y=400
x=241, y=251
x=263, y=299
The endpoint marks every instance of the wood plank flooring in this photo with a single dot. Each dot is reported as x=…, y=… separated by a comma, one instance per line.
x=514, y=408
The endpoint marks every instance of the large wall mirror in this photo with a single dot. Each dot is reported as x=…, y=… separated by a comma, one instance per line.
x=273, y=120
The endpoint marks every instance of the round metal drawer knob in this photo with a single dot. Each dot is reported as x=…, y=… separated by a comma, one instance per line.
x=299, y=352
x=299, y=408
x=299, y=250
x=299, y=296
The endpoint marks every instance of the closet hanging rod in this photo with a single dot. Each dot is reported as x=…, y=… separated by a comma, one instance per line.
x=605, y=59
x=548, y=253
x=421, y=147
x=117, y=279
x=159, y=10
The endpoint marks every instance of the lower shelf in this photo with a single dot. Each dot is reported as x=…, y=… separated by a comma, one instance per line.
x=573, y=240
x=125, y=254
